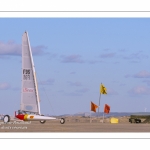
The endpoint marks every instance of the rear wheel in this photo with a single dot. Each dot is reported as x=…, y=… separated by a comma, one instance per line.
x=6, y=119
x=62, y=120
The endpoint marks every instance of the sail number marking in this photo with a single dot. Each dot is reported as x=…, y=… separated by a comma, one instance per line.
x=26, y=74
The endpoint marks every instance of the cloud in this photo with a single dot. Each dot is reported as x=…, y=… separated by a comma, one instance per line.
x=84, y=90
x=142, y=74
x=108, y=55
x=136, y=56
x=38, y=50
x=4, y=86
x=72, y=59
x=75, y=83
x=111, y=92
x=47, y=82
x=140, y=90
x=12, y=48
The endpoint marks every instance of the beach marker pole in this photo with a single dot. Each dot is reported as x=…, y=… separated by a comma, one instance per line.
x=90, y=112
x=90, y=116
x=103, y=117
x=99, y=105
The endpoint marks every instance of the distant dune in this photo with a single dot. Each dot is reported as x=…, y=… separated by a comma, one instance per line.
x=111, y=114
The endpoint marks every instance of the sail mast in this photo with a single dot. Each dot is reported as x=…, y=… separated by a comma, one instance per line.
x=34, y=74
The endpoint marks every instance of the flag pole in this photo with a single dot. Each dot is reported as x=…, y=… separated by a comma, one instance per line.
x=90, y=113
x=99, y=105
x=90, y=116
x=103, y=117
x=99, y=102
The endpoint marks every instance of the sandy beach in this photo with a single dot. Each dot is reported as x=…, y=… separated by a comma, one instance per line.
x=76, y=124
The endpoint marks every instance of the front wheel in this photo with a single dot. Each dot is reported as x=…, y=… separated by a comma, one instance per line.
x=62, y=120
x=6, y=118
x=42, y=121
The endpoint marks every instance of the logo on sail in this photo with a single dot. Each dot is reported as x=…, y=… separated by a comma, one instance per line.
x=30, y=90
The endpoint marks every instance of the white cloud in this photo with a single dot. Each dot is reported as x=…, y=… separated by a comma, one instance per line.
x=140, y=90
x=72, y=59
x=4, y=86
x=111, y=92
x=136, y=56
x=12, y=48
x=133, y=57
x=142, y=74
x=38, y=50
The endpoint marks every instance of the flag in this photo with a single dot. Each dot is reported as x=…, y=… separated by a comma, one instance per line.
x=103, y=89
x=93, y=107
x=106, y=109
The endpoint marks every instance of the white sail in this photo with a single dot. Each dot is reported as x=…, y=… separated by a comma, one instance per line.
x=29, y=91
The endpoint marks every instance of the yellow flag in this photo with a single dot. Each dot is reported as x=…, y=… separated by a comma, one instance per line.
x=103, y=89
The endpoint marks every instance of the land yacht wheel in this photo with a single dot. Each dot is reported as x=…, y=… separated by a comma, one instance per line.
x=62, y=120
x=6, y=118
x=42, y=121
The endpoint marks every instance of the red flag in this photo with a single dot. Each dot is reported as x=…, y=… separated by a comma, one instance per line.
x=93, y=107
x=106, y=109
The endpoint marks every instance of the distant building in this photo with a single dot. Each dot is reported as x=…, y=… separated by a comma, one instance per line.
x=86, y=114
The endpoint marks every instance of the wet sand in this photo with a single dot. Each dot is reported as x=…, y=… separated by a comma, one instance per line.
x=75, y=124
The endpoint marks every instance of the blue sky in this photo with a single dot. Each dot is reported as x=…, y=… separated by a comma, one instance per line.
x=72, y=57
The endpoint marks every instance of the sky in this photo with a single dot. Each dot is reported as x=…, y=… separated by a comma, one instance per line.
x=72, y=57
